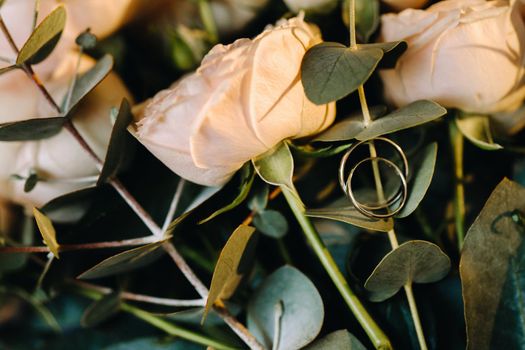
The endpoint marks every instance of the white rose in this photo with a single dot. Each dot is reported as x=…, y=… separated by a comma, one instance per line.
x=465, y=54
x=59, y=160
x=243, y=100
x=320, y=6
x=399, y=5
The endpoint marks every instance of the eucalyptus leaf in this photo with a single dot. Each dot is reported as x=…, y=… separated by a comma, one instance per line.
x=47, y=230
x=331, y=71
x=31, y=182
x=117, y=154
x=276, y=166
x=476, y=128
x=31, y=129
x=286, y=312
x=69, y=207
x=153, y=343
x=101, y=310
x=338, y=340
x=323, y=152
x=231, y=265
x=43, y=39
x=414, y=114
x=423, y=171
x=271, y=223
x=125, y=261
x=491, y=269
x=392, y=51
x=7, y=69
x=86, y=40
x=414, y=261
x=343, y=210
x=259, y=199
x=246, y=181
x=89, y=80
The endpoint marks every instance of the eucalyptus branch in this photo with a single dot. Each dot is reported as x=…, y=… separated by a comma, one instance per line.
x=174, y=204
x=379, y=187
x=456, y=142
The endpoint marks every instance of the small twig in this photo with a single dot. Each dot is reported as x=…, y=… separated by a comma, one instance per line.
x=8, y=36
x=82, y=246
x=141, y=297
x=47, y=266
x=174, y=204
x=239, y=328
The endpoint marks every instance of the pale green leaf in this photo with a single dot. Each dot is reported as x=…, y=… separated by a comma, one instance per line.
x=476, y=128
x=289, y=298
x=412, y=262
x=43, y=39
x=47, y=230
x=276, y=166
x=331, y=71
x=271, y=223
x=491, y=268
x=338, y=340
x=230, y=266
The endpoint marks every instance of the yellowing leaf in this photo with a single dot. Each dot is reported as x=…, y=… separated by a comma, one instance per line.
x=47, y=231
x=229, y=269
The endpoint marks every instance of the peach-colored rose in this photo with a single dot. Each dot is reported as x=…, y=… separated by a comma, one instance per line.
x=243, y=100
x=465, y=54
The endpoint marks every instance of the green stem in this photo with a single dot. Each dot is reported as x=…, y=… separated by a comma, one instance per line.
x=162, y=324
x=351, y=18
x=456, y=141
x=415, y=315
x=284, y=251
x=376, y=335
x=208, y=21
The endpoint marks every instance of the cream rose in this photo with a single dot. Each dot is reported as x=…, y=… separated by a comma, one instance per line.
x=61, y=163
x=244, y=99
x=399, y=5
x=465, y=54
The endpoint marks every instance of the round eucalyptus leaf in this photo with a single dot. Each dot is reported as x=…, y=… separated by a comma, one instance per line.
x=286, y=312
x=331, y=71
x=271, y=223
x=338, y=340
x=413, y=261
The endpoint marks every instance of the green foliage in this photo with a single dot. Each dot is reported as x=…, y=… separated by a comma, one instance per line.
x=476, y=128
x=491, y=267
x=47, y=230
x=86, y=40
x=100, y=310
x=31, y=129
x=43, y=39
x=286, y=311
x=117, y=155
x=276, y=166
x=271, y=222
x=367, y=17
x=412, y=262
x=338, y=340
x=125, y=261
x=231, y=265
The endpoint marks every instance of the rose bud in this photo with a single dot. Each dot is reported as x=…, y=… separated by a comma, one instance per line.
x=243, y=100
x=465, y=54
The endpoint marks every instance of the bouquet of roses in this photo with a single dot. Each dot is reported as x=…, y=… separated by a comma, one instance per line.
x=262, y=174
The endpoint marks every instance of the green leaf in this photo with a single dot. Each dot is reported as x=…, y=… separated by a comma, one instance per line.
x=476, y=128
x=271, y=223
x=491, y=269
x=349, y=128
x=331, y=71
x=43, y=39
x=117, y=154
x=259, y=199
x=324, y=152
x=413, y=261
x=45, y=226
x=31, y=182
x=125, y=261
x=246, y=181
x=231, y=265
x=86, y=40
x=342, y=210
x=366, y=19
x=7, y=69
x=392, y=51
x=414, y=114
x=69, y=207
x=338, y=340
x=154, y=343
x=101, y=310
x=422, y=173
x=89, y=80
x=276, y=166
x=31, y=129
x=286, y=311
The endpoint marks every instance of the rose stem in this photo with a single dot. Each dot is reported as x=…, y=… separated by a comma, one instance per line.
x=379, y=187
x=235, y=325
x=456, y=142
x=376, y=335
x=158, y=322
